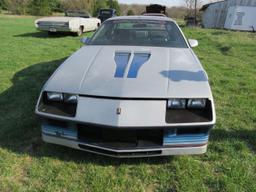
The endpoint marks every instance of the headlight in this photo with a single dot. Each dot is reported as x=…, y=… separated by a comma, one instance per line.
x=53, y=96
x=196, y=103
x=176, y=103
x=186, y=103
x=67, y=98
x=56, y=103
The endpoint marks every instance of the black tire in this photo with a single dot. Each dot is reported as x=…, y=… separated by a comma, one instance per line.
x=50, y=33
x=98, y=25
x=80, y=31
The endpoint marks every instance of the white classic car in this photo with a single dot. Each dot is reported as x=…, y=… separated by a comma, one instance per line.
x=136, y=89
x=74, y=21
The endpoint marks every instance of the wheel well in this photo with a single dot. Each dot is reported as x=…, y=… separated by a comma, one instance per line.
x=98, y=24
x=82, y=27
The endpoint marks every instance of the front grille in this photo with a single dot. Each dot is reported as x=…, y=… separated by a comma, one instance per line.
x=127, y=142
x=120, y=138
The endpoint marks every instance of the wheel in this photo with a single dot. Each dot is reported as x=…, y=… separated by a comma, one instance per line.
x=80, y=31
x=98, y=25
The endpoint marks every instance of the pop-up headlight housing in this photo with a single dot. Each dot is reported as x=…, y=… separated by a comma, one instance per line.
x=180, y=110
x=61, y=104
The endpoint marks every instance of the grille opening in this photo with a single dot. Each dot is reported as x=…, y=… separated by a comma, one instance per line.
x=57, y=123
x=120, y=154
x=120, y=138
x=196, y=130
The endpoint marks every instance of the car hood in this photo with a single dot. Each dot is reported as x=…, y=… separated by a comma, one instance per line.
x=150, y=72
x=56, y=19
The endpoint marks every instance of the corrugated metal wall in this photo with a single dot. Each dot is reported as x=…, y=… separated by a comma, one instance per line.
x=215, y=15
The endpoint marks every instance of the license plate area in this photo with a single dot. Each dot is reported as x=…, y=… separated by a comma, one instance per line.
x=53, y=30
x=120, y=138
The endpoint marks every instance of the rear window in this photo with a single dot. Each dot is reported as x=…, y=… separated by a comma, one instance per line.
x=139, y=33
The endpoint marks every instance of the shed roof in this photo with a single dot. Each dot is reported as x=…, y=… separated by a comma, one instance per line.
x=207, y=5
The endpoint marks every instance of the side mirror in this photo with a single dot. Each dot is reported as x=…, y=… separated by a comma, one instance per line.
x=85, y=40
x=193, y=42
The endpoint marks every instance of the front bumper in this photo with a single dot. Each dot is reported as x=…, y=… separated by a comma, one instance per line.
x=124, y=128
x=127, y=143
x=124, y=153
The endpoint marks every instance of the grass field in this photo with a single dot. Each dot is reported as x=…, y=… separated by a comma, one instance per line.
x=29, y=57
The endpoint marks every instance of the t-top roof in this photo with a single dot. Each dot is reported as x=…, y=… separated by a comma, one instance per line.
x=156, y=18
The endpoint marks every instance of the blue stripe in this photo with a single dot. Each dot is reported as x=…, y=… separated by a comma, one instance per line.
x=138, y=60
x=122, y=60
x=186, y=139
x=55, y=130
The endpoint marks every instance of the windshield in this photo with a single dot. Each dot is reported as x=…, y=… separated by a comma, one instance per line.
x=139, y=33
x=83, y=14
x=106, y=12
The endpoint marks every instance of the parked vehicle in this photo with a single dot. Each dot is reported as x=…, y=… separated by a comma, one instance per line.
x=155, y=8
x=136, y=89
x=190, y=21
x=74, y=21
x=105, y=14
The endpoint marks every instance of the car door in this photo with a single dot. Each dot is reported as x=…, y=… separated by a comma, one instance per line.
x=85, y=24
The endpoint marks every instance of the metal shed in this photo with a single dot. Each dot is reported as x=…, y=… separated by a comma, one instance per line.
x=230, y=14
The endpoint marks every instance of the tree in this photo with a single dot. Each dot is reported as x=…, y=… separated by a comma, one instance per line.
x=3, y=4
x=192, y=7
x=87, y=5
x=42, y=7
x=19, y=7
x=113, y=4
x=130, y=12
x=99, y=4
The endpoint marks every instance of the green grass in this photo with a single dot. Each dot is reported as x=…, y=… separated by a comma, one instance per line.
x=29, y=57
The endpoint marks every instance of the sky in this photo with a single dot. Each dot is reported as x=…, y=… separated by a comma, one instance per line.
x=163, y=2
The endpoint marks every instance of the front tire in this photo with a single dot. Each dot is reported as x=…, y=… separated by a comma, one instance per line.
x=98, y=25
x=80, y=31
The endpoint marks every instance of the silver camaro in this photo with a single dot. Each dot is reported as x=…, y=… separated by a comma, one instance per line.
x=136, y=89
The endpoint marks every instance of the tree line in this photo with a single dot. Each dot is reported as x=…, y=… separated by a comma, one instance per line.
x=47, y=7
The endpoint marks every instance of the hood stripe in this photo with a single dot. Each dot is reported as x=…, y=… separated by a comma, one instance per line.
x=138, y=60
x=122, y=60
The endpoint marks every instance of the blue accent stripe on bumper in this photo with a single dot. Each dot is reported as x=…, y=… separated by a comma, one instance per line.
x=186, y=139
